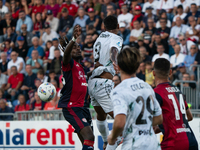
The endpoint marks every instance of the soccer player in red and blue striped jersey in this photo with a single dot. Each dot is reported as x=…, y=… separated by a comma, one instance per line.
x=74, y=91
x=177, y=133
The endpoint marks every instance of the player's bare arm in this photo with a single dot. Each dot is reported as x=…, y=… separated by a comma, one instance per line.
x=113, y=57
x=157, y=120
x=118, y=127
x=189, y=114
x=67, y=48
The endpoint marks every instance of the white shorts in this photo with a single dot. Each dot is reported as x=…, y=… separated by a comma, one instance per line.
x=99, y=91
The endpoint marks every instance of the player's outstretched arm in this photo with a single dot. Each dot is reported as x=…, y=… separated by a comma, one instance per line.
x=68, y=49
x=157, y=120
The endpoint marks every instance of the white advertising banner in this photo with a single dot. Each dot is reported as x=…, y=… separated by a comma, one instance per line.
x=53, y=135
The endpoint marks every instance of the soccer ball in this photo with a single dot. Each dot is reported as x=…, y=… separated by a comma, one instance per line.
x=46, y=91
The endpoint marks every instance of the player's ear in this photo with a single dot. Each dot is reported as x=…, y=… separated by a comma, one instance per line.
x=170, y=72
x=154, y=74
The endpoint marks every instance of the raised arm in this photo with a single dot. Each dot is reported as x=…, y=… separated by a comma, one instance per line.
x=67, y=46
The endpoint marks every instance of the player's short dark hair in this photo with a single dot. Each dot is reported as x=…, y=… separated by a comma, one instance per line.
x=129, y=60
x=162, y=68
x=110, y=22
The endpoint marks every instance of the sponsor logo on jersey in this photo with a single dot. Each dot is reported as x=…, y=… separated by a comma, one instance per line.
x=144, y=132
x=180, y=130
x=104, y=35
x=119, y=44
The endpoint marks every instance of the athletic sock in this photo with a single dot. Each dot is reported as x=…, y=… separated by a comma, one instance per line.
x=88, y=145
x=103, y=129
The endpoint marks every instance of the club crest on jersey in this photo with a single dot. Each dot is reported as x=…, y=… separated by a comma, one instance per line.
x=84, y=120
x=81, y=75
x=119, y=44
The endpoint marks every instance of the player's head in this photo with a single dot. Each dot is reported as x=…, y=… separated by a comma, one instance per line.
x=161, y=69
x=110, y=23
x=76, y=51
x=129, y=60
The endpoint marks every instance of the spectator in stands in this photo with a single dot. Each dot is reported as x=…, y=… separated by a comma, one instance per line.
x=37, y=103
x=124, y=33
x=172, y=43
x=193, y=12
x=186, y=77
x=22, y=104
x=6, y=47
x=3, y=8
x=38, y=8
x=136, y=32
x=41, y=76
x=116, y=79
x=189, y=59
x=182, y=70
x=26, y=35
x=8, y=22
x=3, y=80
x=163, y=15
x=167, y=5
x=53, y=77
x=183, y=44
x=164, y=31
x=52, y=48
x=10, y=35
x=178, y=29
x=138, y=16
x=53, y=21
x=104, y=8
x=23, y=19
x=4, y=63
x=87, y=65
x=180, y=13
x=35, y=61
x=21, y=49
x=143, y=54
x=56, y=62
x=161, y=54
x=150, y=3
x=141, y=71
x=66, y=21
x=5, y=109
x=178, y=57
x=53, y=6
x=14, y=83
x=184, y=4
x=93, y=20
x=53, y=104
x=16, y=61
x=14, y=9
x=149, y=28
x=125, y=16
x=81, y=19
x=36, y=46
x=38, y=25
x=48, y=34
x=28, y=82
x=149, y=15
x=72, y=8
x=149, y=78
x=87, y=49
x=194, y=28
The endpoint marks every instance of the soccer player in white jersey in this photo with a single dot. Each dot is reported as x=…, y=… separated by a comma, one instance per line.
x=105, y=51
x=136, y=109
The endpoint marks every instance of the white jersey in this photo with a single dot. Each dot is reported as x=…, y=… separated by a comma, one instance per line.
x=136, y=99
x=101, y=52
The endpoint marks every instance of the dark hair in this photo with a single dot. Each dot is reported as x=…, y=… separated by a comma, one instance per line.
x=193, y=4
x=21, y=11
x=41, y=71
x=56, y=49
x=148, y=63
x=129, y=60
x=180, y=6
x=110, y=22
x=51, y=71
x=162, y=68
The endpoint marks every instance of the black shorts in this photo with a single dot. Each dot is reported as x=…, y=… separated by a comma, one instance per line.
x=78, y=117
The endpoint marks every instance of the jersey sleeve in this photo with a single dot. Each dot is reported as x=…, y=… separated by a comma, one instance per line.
x=117, y=42
x=159, y=99
x=69, y=66
x=119, y=104
x=157, y=109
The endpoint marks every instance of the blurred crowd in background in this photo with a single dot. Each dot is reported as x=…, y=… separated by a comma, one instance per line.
x=30, y=31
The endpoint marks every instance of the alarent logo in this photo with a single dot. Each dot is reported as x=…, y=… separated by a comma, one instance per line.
x=41, y=135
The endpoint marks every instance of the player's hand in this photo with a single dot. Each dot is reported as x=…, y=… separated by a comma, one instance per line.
x=77, y=31
x=116, y=68
x=111, y=141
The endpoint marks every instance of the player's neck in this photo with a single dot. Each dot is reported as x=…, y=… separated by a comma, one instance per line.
x=115, y=31
x=125, y=76
x=159, y=81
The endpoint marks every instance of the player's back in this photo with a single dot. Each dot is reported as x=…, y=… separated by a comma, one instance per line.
x=175, y=127
x=101, y=51
x=137, y=100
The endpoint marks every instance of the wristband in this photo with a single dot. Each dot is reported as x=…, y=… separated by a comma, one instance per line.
x=73, y=39
x=111, y=147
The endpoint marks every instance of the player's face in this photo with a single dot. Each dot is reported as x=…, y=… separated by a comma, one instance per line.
x=76, y=51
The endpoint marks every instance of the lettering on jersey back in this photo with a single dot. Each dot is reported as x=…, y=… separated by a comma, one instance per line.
x=172, y=89
x=139, y=86
x=104, y=35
